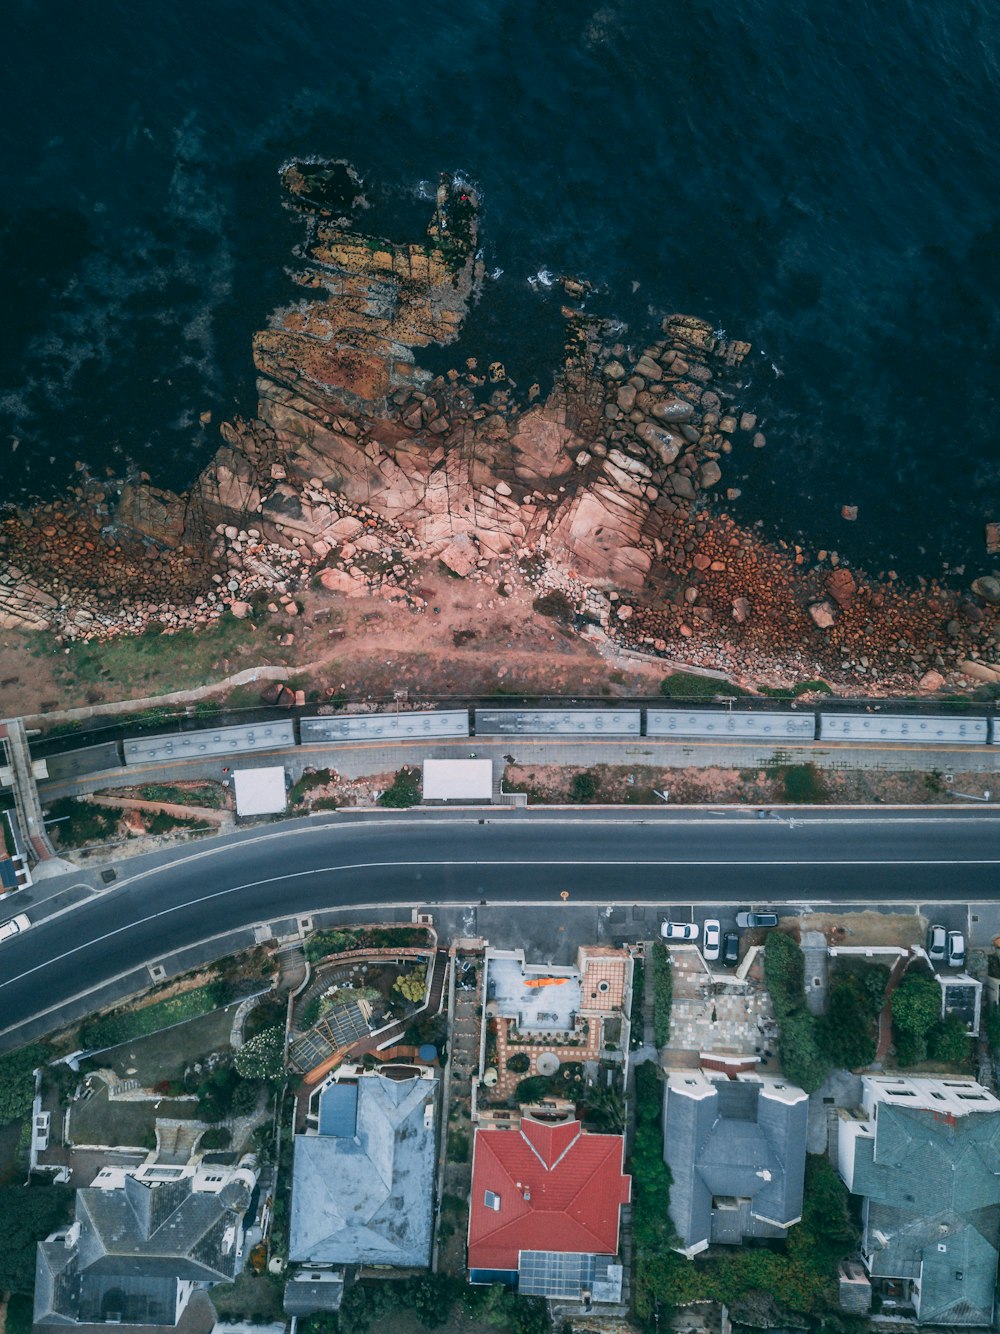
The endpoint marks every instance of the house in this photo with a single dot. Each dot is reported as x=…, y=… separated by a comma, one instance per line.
x=545, y=1206
x=363, y=1179
x=736, y=1149
x=143, y=1249
x=925, y=1155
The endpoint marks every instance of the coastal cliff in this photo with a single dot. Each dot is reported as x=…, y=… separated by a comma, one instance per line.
x=361, y=466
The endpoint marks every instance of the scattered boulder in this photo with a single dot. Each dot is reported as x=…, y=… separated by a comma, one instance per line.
x=822, y=614
x=849, y=512
x=741, y=610
x=842, y=586
x=987, y=588
x=993, y=539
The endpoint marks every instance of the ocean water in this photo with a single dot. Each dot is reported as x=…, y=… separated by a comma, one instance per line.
x=819, y=179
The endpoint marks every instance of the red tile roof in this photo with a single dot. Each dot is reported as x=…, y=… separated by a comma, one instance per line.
x=560, y=1189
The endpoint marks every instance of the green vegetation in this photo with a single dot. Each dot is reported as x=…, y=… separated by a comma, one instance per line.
x=993, y=1026
x=20, y=1313
x=916, y=1008
x=218, y=1137
x=604, y=1108
x=17, y=1082
x=306, y=784
x=949, y=1041
x=689, y=685
x=27, y=1215
x=263, y=1057
x=555, y=604
x=816, y=687
x=324, y=943
x=76, y=822
x=432, y=1299
x=519, y=1063
x=652, y=1229
x=784, y=972
x=534, y=1089
x=803, y=784
x=161, y=662
x=404, y=791
x=211, y=795
x=848, y=1032
x=663, y=993
x=585, y=785
x=161, y=822
x=123, y=1025
x=411, y=986
x=256, y=1298
x=224, y=1093
x=635, y=1012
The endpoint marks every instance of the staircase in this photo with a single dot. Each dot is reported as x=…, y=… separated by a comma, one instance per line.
x=176, y=1141
x=292, y=961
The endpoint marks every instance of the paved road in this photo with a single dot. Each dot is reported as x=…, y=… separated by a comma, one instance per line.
x=165, y=903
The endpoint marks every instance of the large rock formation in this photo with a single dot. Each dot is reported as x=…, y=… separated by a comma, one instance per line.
x=360, y=463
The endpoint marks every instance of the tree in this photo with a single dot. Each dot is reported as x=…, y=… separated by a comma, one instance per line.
x=916, y=1008
x=949, y=1041
x=27, y=1215
x=17, y=1081
x=410, y=985
x=263, y=1057
x=585, y=785
x=784, y=974
x=845, y=1034
x=663, y=993
x=605, y=1109
x=801, y=1057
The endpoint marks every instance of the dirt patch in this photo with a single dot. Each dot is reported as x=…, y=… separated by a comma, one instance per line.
x=774, y=785
x=867, y=928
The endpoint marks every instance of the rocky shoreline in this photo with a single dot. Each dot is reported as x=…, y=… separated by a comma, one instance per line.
x=361, y=467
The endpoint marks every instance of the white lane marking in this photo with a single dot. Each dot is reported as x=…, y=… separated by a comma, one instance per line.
x=396, y=866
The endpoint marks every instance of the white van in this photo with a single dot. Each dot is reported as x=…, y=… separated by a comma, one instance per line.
x=15, y=926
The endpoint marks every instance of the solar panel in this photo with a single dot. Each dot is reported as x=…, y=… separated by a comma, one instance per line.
x=568, y=1274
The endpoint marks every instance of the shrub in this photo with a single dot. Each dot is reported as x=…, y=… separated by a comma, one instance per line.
x=585, y=785
x=803, y=784
x=27, y=1215
x=263, y=1057
x=124, y=1025
x=846, y=1033
x=17, y=1081
x=949, y=1041
x=916, y=1008
x=218, y=1137
x=555, y=604
x=689, y=685
x=533, y=1089
x=404, y=791
x=802, y=1059
x=784, y=973
x=410, y=986
x=519, y=1063
x=993, y=1026
x=663, y=993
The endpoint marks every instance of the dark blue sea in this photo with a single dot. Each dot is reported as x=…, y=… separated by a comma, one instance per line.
x=819, y=178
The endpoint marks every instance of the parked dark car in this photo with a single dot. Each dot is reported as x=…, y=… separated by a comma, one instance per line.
x=731, y=948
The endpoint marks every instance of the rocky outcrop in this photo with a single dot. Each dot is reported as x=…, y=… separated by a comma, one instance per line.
x=360, y=465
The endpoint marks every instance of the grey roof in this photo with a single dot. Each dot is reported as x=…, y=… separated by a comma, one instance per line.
x=198, y=1317
x=933, y=1189
x=306, y=1297
x=133, y=1247
x=733, y=1143
x=720, y=722
x=375, y=726
x=367, y=1199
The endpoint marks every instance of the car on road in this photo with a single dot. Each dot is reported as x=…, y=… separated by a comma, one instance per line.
x=956, y=949
x=15, y=926
x=731, y=948
x=679, y=930
x=747, y=920
x=937, y=944
x=712, y=940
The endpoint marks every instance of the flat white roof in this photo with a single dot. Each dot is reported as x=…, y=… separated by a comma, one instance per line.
x=458, y=780
x=259, y=791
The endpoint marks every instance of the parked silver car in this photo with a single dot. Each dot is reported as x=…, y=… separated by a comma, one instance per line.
x=937, y=943
x=746, y=920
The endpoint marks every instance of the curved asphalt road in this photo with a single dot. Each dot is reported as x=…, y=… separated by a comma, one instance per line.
x=602, y=857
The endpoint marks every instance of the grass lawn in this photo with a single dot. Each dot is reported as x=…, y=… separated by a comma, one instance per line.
x=256, y=1297
x=154, y=664
x=164, y=1055
x=122, y=1124
x=125, y=1025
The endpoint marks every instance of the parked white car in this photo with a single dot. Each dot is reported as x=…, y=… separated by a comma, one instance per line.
x=15, y=926
x=956, y=949
x=937, y=944
x=679, y=930
x=711, y=946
